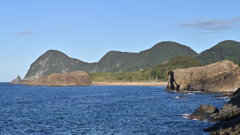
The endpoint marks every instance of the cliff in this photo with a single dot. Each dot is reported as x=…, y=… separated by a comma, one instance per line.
x=76, y=78
x=217, y=77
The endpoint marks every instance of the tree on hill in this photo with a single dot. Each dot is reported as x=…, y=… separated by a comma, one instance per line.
x=161, y=70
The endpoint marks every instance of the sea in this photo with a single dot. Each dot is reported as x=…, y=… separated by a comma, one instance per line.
x=100, y=110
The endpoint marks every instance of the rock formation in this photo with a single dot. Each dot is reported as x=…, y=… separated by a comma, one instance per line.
x=203, y=113
x=76, y=78
x=228, y=117
x=222, y=76
x=16, y=80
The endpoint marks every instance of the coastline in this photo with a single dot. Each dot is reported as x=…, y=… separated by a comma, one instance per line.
x=129, y=83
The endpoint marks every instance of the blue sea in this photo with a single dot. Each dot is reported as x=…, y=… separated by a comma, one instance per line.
x=100, y=110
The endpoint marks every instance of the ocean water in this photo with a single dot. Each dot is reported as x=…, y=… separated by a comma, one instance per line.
x=100, y=110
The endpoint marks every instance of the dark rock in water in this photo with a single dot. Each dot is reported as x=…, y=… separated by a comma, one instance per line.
x=225, y=128
x=230, y=111
x=203, y=113
x=222, y=76
x=16, y=80
x=228, y=117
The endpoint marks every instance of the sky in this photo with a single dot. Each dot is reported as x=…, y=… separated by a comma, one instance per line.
x=88, y=29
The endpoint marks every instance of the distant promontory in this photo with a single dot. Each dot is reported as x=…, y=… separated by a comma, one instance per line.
x=76, y=78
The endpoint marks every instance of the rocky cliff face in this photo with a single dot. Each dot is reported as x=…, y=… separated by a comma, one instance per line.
x=55, y=62
x=76, y=78
x=16, y=80
x=222, y=76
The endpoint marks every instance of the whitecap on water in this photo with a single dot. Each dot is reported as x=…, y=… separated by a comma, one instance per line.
x=185, y=115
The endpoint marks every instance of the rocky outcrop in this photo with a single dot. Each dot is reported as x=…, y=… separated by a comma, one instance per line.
x=16, y=80
x=76, y=78
x=203, y=113
x=222, y=76
x=231, y=110
x=228, y=117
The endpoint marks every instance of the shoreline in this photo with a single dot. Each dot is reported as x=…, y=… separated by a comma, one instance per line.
x=129, y=83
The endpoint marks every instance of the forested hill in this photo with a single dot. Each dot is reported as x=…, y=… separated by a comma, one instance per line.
x=227, y=49
x=123, y=61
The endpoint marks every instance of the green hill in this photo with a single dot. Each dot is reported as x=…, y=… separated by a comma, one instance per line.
x=55, y=62
x=228, y=49
x=161, y=70
x=123, y=61
x=112, y=61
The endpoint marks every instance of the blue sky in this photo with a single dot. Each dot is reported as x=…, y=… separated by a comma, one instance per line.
x=88, y=29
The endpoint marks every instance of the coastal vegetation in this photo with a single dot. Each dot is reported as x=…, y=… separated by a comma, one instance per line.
x=157, y=73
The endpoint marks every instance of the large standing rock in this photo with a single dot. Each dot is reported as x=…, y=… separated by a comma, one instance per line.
x=222, y=76
x=76, y=78
x=16, y=80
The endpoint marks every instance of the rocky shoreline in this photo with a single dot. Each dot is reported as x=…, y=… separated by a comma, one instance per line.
x=221, y=77
x=227, y=118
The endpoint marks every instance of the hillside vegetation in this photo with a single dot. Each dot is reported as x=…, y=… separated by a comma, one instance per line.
x=161, y=71
x=228, y=49
x=54, y=61
x=158, y=72
x=123, y=61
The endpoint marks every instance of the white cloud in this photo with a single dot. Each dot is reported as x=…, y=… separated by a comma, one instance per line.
x=213, y=24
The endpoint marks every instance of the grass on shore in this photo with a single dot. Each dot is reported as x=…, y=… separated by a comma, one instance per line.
x=134, y=76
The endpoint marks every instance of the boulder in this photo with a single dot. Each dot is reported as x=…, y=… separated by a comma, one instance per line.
x=203, y=113
x=231, y=110
x=16, y=80
x=228, y=117
x=76, y=78
x=222, y=76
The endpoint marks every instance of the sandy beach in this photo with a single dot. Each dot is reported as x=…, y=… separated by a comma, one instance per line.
x=129, y=83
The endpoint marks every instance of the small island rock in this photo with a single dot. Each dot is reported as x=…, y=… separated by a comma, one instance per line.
x=16, y=80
